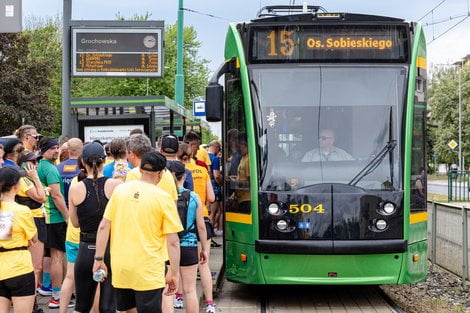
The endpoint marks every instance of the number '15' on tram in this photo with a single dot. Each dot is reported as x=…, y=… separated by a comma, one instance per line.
x=323, y=118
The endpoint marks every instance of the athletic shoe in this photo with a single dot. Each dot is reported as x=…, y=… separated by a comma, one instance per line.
x=54, y=303
x=178, y=303
x=45, y=291
x=210, y=308
x=214, y=244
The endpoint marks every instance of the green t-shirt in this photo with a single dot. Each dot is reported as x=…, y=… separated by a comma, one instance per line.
x=49, y=175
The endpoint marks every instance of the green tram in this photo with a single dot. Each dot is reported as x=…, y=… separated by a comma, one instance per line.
x=323, y=121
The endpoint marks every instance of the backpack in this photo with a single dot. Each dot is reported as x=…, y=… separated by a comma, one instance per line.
x=183, y=204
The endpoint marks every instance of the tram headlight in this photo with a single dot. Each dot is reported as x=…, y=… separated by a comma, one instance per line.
x=381, y=224
x=388, y=208
x=282, y=225
x=274, y=209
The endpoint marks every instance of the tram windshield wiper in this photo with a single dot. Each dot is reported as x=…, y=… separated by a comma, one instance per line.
x=374, y=163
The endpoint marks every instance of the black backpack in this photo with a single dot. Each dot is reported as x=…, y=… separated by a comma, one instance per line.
x=182, y=204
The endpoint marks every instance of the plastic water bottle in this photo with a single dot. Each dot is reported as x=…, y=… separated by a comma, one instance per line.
x=98, y=275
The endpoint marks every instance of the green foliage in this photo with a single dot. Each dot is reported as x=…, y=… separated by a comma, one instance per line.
x=24, y=86
x=208, y=136
x=46, y=46
x=443, y=117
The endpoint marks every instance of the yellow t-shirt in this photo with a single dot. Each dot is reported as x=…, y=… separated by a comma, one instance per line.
x=141, y=215
x=243, y=194
x=166, y=183
x=18, y=262
x=73, y=233
x=25, y=185
x=200, y=179
x=203, y=155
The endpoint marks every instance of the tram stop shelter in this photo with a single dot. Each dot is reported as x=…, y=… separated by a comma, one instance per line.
x=105, y=118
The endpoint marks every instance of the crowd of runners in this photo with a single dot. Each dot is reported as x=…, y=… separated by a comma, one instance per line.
x=108, y=227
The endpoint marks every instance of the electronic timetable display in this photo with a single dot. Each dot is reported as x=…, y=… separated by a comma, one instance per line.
x=129, y=52
x=328, y=43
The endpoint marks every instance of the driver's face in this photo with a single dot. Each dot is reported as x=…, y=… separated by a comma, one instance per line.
x=326, y=139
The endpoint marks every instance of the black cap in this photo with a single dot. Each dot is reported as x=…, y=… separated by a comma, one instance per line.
x=9, y=175
x=170, y=144
x=46, y=143
x=153, y=162
x=10, y=145
x=93, y=149
x=176, y=167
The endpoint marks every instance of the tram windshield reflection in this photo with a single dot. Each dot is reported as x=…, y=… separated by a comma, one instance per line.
x=352, y=113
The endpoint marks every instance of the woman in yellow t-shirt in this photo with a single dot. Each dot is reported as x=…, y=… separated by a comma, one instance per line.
x=31, y=194
x=17, y=231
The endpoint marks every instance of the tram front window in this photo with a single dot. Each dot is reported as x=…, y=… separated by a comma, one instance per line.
x=329, y=125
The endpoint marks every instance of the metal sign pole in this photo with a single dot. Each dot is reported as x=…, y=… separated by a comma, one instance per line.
x=67, y=17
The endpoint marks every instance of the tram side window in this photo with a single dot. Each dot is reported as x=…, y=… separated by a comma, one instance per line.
x=237, y=165
x=418, y=162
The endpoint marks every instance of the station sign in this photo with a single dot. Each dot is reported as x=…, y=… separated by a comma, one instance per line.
x=106, y=133
x=117, y=52
x=10, y=16
x=199, y=108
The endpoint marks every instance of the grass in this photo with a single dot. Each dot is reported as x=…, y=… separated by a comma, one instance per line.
x=438, y=198
x=437, y=177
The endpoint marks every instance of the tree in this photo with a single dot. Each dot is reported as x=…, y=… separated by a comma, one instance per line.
x=443, y=117
x=24, y=86
x=46, y=46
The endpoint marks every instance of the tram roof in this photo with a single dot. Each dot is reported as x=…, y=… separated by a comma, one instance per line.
x=325, y=17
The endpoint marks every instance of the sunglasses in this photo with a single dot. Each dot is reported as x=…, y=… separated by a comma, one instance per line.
x=35, y=136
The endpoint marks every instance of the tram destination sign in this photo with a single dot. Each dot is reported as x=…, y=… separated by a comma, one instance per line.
x=329, y=43
x=119, y=52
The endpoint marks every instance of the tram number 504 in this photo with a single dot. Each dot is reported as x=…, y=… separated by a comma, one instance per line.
x=285, y=42
x=306, y=208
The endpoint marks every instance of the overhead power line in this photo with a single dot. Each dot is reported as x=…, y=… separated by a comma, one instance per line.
x=207, y=14
x=450, y=18
x=430, y=11
x=449, y=29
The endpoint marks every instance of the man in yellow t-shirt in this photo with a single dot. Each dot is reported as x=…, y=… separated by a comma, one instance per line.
x=137, y=146
x=201, y=155
x=140, y=218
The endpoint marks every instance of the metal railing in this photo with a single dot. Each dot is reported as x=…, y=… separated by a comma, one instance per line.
x=448, y=229
x=458, y=185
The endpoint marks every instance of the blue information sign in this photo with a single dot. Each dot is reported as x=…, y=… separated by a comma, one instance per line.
x=199, y=108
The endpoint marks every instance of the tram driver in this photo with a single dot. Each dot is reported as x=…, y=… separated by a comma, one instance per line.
x=326, y=151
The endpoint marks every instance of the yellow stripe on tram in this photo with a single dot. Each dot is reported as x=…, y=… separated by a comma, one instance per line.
x=418, y=217
x=421, y=62
x=238, y=218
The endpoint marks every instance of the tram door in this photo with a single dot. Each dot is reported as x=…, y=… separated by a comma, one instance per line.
x=237, y=194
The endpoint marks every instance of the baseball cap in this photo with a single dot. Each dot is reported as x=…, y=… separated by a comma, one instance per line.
x=10, y=175
x=10, y=145
x=153, y=161
x=170, y=144
x=93, y=149
x=176, y=167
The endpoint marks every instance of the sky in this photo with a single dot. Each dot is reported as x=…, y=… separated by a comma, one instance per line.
x=450, y=47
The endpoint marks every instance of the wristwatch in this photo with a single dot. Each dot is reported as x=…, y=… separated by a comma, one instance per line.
x=98, y=258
